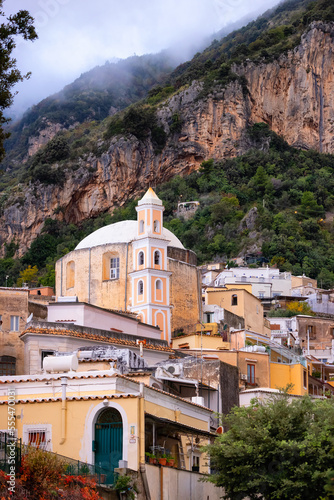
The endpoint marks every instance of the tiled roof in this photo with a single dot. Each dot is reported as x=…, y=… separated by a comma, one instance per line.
x=73, y=376
x=73, y=398
x=93, y=337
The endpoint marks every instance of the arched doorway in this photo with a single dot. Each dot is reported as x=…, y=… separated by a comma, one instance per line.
x=108, y=445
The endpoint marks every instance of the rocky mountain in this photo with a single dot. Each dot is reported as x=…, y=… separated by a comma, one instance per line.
x=288, y=85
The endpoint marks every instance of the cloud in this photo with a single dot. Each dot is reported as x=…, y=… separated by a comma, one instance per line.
x=76, y=35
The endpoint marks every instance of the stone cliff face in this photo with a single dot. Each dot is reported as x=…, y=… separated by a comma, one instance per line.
x=294, y=95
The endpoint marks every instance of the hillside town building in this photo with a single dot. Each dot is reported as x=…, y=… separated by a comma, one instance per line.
x=137, y=266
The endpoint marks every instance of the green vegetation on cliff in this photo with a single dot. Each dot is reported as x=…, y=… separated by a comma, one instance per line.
x=288, y=191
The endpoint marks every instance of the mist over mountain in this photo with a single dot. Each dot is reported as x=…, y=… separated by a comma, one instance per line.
x=75, y=36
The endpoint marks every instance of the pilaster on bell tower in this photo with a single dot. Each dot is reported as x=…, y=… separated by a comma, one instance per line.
x=150, y=277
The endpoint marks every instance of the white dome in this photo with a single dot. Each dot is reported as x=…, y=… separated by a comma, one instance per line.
x=121, y=232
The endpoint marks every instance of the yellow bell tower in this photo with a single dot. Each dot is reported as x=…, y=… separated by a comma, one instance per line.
x=150, y=277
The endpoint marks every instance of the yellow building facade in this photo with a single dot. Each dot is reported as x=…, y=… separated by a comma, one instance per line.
x=240, y=302
x=136, y=266
x=72, y=413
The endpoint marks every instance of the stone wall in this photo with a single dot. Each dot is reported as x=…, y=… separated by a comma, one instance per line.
x=13, y=302
x=184, y=295
x=219, y=375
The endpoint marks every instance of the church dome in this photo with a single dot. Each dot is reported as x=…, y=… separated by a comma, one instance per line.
x=121, y=232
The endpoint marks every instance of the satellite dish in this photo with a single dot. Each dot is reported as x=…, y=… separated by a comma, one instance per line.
x=171, y=369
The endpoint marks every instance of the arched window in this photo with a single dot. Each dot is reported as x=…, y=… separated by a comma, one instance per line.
x=7, y=365
x=158, y=290
x=140, y=287
x=141, y=258
x=70, y=274
x=109, y=416
x=234, y=301
x=157, y=258
x=141, y=226
x=156, y=226
x=114, y=268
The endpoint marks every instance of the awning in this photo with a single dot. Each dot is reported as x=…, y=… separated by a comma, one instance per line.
x=178, y=427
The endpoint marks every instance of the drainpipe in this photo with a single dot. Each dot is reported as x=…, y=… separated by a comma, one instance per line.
x=61, y=277
x=141, y=422
x=141, y=425
x=126, y=276
x=63, y=410
x=89, y=267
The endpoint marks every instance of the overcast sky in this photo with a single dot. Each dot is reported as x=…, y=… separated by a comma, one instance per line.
x=76, y=35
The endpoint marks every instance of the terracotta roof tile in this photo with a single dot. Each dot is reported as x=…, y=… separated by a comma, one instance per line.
x=91, y=336
x=71, y=398
x=77, y=376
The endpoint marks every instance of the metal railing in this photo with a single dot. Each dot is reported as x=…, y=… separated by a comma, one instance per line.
x=12, y=450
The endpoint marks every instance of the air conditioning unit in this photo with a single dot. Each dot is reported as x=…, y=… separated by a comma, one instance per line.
x=174, y=369
x=243, y=376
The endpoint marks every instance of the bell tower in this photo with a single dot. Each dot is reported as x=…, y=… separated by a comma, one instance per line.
x=150, y=277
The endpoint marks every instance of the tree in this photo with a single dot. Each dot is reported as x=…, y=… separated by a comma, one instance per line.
x=299, y=307
x=277, y=449
x=28, y=275
x=18, y=24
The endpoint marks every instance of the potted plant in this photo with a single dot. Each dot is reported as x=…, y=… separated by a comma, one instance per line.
x=163, y=459
x=126, y=487
x=152, y=459
x=171, y=461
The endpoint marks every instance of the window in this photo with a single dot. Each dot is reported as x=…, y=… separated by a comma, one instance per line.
x=251, y=374
x=141, y=226
x=140, y=287
x=208, y=317
x=234, y=301
x=261, y=295
x=38, y=435
x=45, y=354
x=141, y=259
x=305, y=379
x=70, y=274
x=156, y=226
x=157, y=259
x=37, y=438
x=114, y=268
x=14, y=323
x=311, y=331
x=7, y=365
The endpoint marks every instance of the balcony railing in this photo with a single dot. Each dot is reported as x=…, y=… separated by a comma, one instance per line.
x=11, y=447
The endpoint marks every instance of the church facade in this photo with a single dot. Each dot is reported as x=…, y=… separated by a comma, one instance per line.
x=135, y=266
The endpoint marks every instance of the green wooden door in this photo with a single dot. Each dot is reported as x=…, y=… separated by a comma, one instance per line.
x=109, y=441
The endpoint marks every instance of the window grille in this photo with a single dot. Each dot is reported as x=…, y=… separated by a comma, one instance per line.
x=37, y=438
x=7, y=365
x=140, y=288
x=157, y=258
